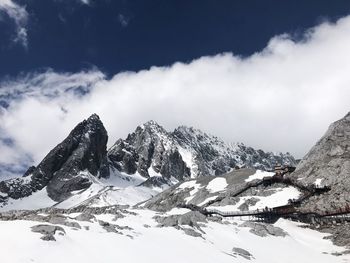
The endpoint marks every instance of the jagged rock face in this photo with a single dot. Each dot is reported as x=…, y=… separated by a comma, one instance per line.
x=214, y=157
x=328, y=164
x=186, y=152
x=149, y=150
x=83, y=150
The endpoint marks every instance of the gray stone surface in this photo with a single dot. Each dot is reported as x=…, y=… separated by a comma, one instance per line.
x=109, y=227
x=83, y=149
x=339, y=234
x=249, y=202
x=263, y=230
x=176, y=195
x=48, y=231
x=328, y=160
x=242, y=253
x=191, y=232
x=152, y=146
x=85, y=217
x=192, y=219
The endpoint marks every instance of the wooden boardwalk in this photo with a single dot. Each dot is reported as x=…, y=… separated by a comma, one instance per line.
x=273, y=214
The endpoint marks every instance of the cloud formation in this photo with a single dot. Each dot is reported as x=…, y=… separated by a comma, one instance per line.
x=280, y=99
x=20, y=17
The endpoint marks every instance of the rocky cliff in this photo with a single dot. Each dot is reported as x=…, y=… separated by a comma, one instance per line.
x=328, y=164
x=157, y=156
x=185, y=152
x=60, y=171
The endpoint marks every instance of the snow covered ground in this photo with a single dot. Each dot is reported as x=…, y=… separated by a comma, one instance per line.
x=217, y=184
x=143, y=241
x=119, y=188
x=259, y=175
x=139, y=237
x=279, y=198
x=37, y=200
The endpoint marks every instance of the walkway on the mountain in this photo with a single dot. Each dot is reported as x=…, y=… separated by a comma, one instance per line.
x=288, y=211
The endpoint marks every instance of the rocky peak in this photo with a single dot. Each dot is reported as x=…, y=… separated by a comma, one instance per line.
x=147, y=151
x=189, y=136
x=153, y=125
x=185, y=152
x=60, y=171
x=328, y=164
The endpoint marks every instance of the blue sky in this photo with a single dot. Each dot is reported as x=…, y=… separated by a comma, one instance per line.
x=270, y=74
x=119, y=35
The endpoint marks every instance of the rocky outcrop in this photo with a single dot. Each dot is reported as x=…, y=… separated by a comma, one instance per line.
x=213, y=156
x=150, y=151
x=328, y=164
x=185, y=152
x=263, y=230
x=84, y=150
x=48, y=231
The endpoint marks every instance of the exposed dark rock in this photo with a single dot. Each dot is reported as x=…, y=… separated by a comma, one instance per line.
x=48, y=231
x=191, y=232
x=191, y=219
x=156, y=181
x=113, y=227
x=340, y=234
x=83, y=150
x=237, y=187
x=214, y=157
x=149, y=147
x=263, y=230
x=185, y=152
x=242, y=253
x=29, y=171
x=85, y=217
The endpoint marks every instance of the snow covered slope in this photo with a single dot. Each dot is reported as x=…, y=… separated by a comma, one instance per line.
x=136, y=235
x=221, y=193
x=118, y=189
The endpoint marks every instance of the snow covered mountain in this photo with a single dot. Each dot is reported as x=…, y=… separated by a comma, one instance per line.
x=148, y=160
x=224, y=192
x=159, y=231
x=60, y=171
x=93, y=204
x=186, y=153
x=76, y=171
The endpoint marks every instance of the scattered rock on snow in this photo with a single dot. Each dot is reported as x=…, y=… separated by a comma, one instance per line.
x=85, y=217
x=48, y=231
x=242, y=253
x=190, y=218
x=263, y=230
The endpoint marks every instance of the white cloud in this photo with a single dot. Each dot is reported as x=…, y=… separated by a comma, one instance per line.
x=20, y=16
x=282, y=98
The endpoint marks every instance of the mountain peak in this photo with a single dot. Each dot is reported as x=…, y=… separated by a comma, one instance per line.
x=151, y=124
x=328, y=162
x=84, y=149
x=94, y=117
x=151, y=127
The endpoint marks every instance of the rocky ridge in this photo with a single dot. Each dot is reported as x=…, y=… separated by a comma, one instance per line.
x=150, y=156
x=328, y=164
x=83, y=150
x=186, y=153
